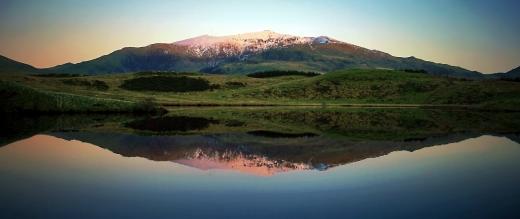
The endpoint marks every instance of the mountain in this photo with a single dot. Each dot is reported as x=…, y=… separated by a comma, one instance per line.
x=514, y=73
x=11, y=66
x=252, y=52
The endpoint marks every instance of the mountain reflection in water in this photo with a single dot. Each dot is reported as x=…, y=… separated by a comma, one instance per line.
x=248, y=154
x=73, y=179
x=262, y=163
x=267, y=142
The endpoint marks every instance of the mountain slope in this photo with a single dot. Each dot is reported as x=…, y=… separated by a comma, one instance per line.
x=331, y=57
x=11, y=66
x=515, y=73
x=250, y=52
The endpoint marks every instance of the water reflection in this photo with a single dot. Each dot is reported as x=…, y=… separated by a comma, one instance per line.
x=47, y=176
x=262, y=163
x=242, y=152
x=171, y=124
x=272, y=134
x=268, y=141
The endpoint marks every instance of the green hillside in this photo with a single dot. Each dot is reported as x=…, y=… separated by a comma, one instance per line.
x=19, y=98
x=385, y=86
x=361, y=87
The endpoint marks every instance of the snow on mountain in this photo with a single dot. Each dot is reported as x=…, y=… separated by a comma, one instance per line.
x=253, y=164
x=211, y=46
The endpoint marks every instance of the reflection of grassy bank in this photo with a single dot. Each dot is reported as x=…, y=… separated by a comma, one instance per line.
x=171, y=124
x=16, y=126
x=357, y=124
x=361, y=123
x=320, y=137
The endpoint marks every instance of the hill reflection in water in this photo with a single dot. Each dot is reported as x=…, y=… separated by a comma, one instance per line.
x=270, y=141
x=262, y=163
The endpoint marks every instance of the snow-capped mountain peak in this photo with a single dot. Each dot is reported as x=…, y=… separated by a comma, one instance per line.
x=210, y=46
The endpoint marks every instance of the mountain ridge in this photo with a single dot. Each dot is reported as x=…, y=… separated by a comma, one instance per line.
x=513, y=74
x=251, y=52
x=8, y=65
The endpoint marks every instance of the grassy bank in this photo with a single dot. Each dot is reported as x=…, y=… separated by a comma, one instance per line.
x=19, y=98
x=369, y=87
x=395, y=87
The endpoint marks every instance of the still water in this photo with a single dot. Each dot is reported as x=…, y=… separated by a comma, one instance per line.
x=262, y=163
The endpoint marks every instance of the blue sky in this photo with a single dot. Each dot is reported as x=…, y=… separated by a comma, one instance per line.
x=475, y=34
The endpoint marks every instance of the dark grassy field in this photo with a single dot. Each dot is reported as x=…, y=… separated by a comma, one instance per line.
x=363, y=87
x=19, y=98
x=396, y=87
x=166, y=84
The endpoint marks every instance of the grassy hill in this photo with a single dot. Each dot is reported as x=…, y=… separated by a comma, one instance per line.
x=19, y=98
x=385, y=86
x=366, y=87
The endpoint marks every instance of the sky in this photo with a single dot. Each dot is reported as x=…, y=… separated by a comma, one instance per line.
x=482, y=35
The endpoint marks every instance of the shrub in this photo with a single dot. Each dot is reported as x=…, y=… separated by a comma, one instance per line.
x=166, y=73
x=96, y=84
x=166, y=83
x=269, y=74
x=415, y=71
x=234, y=84
x=415, y=86
x=100, y=85
x=148, y=105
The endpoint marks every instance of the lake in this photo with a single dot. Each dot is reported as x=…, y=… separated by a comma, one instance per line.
x=262, y=163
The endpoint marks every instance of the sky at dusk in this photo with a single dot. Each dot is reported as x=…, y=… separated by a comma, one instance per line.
x=482, y=35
